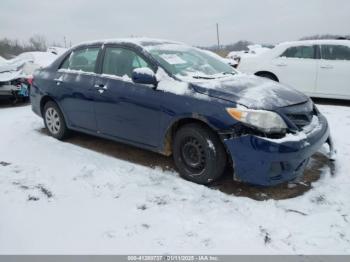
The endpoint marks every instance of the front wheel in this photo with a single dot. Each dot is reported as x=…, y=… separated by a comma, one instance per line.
x=54, y=121
x=198, y=154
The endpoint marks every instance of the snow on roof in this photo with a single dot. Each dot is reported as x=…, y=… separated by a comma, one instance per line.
x=24, y=64
x=11, y=75
x=140, y=41
x=315, y=42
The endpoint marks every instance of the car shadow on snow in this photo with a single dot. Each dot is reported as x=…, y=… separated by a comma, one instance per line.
x=313, y=172
x=333, y=102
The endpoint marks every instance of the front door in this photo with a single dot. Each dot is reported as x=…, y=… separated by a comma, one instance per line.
x=297, y=67
x=124, y=109
x=334, y=71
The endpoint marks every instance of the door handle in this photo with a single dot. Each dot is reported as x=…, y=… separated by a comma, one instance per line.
x=100, y=86
x=281, y=64
x=58, y=81
x=326, y=66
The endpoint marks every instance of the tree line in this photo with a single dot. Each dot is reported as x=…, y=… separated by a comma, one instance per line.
x=13, y=47
x=10, y=48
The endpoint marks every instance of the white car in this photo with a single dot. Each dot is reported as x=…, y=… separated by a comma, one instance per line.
x=319, y=68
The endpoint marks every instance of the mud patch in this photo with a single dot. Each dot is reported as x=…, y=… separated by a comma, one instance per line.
x=45, y=191
x=3, y=163
x=33, y=198
x=41, y=188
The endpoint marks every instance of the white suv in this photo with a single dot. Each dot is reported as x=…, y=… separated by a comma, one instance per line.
x=319, y=68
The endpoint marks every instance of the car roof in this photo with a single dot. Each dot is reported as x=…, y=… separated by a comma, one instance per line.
x=138, y=41
x=316, y=42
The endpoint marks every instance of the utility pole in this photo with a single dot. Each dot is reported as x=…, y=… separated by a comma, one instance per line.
x=217, y=35
x=65, y=42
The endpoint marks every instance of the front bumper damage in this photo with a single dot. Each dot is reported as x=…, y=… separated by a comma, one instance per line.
x=267, y=162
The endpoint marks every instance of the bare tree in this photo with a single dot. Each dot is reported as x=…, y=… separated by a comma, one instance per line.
x=38, y=42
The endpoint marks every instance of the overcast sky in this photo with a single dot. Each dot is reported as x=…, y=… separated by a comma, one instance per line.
x=191, y=21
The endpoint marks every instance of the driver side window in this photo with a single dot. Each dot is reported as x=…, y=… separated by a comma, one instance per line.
x=121, y=62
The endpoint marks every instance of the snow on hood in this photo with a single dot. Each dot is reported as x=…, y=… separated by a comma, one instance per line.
x=251, y=91
x=24, y=65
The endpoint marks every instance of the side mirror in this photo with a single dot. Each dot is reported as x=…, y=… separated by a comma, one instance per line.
x=144, y=75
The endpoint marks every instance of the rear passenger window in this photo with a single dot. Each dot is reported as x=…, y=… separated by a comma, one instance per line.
x=307, y=52
x=335, y=52
x=82, y=60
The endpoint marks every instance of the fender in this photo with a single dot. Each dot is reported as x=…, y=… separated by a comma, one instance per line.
x=167, y=135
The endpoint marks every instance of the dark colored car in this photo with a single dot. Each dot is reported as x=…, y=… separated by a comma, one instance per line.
x=175, y=99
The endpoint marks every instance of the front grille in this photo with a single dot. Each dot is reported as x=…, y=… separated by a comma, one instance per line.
x=300, y=115
x=301, y=120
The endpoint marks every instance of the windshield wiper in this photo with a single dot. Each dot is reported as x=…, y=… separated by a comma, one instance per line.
x=228, y=73
x=203, y=77
x=212, y=77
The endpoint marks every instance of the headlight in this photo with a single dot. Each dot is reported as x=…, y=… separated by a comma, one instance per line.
x=265, y=121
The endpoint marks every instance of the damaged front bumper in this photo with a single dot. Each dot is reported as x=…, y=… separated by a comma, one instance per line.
x=267, y=162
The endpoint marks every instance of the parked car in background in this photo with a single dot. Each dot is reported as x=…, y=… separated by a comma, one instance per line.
x=253, y=50
x=318, y=68
x=178, y=100
x=16, y=73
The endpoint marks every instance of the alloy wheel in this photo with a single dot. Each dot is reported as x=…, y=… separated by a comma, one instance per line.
x=53, y=120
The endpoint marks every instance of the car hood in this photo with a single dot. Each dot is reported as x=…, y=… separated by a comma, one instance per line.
x=251, y=91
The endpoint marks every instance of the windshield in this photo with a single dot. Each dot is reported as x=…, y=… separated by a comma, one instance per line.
x=188, y=62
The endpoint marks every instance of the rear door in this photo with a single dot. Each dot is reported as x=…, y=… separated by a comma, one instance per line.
x=297, y=67
x=124, y=109
x=334, y=71
x=75, y=81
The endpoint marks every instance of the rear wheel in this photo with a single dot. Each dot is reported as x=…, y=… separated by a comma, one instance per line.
x=198, y=154
x=54, y=121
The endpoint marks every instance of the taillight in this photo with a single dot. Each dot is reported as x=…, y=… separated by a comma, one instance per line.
x=30, y=80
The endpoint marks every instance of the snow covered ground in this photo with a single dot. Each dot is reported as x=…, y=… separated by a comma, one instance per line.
x=60, y=198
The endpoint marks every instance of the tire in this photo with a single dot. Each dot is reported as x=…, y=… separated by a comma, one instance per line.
x=268, y=76
x=54, y=121
x=198, y=154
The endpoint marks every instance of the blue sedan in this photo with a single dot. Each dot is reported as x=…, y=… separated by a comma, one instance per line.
x=178, y=100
